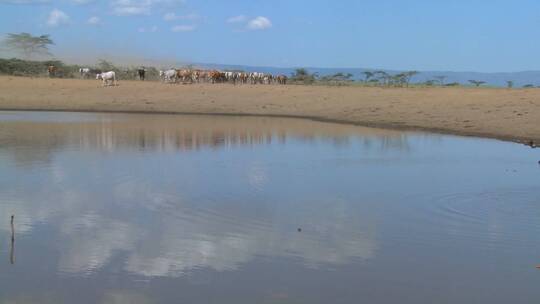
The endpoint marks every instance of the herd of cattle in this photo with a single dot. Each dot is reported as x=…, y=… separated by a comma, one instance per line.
x=186, y=76
x=215, y=76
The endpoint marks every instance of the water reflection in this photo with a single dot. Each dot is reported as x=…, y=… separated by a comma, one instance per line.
x=89, y=202
x=34, y=141
x=207, y=209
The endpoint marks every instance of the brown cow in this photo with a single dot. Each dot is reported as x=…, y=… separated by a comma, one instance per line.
x=282, y=79
x=217, y=76
x=51, y=70
x=184, y=75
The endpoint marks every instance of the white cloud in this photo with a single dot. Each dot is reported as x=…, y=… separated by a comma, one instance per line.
x=82, y=2
x=152, y=29
x=183, y=28
x=30, y=2
x=94, y=20
x=259, y=23
x=92, y=240
x=173, y=16
x=237, y=19
x=57, y=18
x=141, y=7
x=131, y=11
x=169, y=16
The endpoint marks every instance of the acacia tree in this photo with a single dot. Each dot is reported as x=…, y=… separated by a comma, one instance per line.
x=368, y=75
x=302, y=75
x=28, y=45
x=477, y=83
x=406, y=77
x=398, y=79
x=383, y=77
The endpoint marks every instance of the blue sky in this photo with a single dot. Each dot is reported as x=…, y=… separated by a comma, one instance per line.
x=457, y=35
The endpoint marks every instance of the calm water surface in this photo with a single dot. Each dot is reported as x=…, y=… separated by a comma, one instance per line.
x=113, y=208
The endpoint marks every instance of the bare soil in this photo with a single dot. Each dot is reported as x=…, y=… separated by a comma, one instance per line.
x=507, y=114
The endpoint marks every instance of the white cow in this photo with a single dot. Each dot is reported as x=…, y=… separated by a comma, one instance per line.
x=84, y=72
x=168, y=75
x=107, y=77
x=229, y=76
x=256, y=77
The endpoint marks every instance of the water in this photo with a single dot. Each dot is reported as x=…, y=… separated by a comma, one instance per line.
x=113, y=208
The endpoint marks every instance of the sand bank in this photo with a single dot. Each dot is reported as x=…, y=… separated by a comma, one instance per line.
x=486, y=112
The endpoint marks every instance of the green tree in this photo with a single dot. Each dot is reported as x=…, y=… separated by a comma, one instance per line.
x=409, y=75
x=28, y=45
x=383, y=77
x=105, y=65
x=302, y=75
x=403, y=79
x=338, y=78
x=477, y=83
x=368, y=75
x=398, y=79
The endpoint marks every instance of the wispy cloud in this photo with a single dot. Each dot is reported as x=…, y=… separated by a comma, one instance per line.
x=28, y=2
x=169, y=16
x=82, y=2
x=57, y=18
x=237, y=19
x=173, y=16
x=131, y=11
x=141, y=7
x=183, y=28
x=152, y=29
x=94, y=20
x=254, y=24
x=259, y=23
x=39, y=2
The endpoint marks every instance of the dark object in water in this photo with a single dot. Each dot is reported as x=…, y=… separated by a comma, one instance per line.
x=299, y=229
x=538, y=266
x=12, y=248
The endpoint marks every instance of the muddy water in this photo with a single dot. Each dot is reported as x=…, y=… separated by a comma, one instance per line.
x=113, y=208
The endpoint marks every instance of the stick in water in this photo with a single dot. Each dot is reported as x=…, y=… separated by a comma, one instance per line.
x=12, y=249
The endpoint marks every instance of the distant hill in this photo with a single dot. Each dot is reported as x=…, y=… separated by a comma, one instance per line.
x=492, y=79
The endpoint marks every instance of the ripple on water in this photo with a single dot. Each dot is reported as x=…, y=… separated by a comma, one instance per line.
x=491, y=219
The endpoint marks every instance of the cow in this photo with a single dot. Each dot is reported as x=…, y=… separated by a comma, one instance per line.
x=51, y=70
x=142, y=73
x=228, y=76
x=268, y=78
x=216, y=76
x=168, y=76
x=203, y=76
x=185, y=75
x=243, y=78
x=85, y=72
x=196, y=75
x=108, y=77
x=282, y=79
x=256, y=77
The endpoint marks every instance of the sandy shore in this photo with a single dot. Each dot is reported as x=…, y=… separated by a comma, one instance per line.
x=496, y=113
